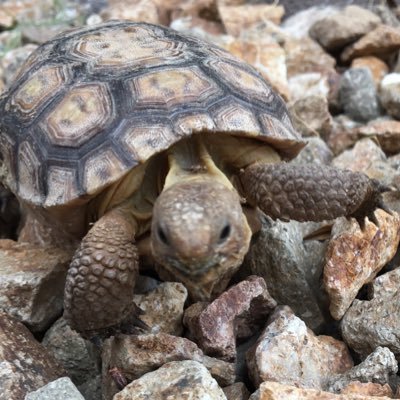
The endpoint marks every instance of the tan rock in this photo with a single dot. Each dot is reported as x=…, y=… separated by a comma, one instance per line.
x=237, y=391
x=32, y=282
x=25, y=365
x=6, y=19
x=132, y=10
x=379, y=42
x=387, y=132
x=309, y=84
x=289, y=352
x=163, y=307
x=389, y=94
x=355, y=256
x=174, y=380
x=278, y=391
x=343, y=134
x=377, y=67
x=306, y=55
x=368, y=389
x=345, y=26
x=237, y=19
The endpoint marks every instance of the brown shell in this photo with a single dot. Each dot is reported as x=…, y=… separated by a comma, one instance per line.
x=91, y=104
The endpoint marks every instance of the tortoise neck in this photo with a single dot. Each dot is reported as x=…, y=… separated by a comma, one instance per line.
x=189, y=160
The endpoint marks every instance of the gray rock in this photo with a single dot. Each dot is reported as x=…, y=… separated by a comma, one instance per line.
x=288, y=352
x=174, y=380
x=61, y=389
x=377, y=368
x=237, y=391
x=291, y=267
x=316, y=151
x=75, y=354
x=91, y=389
x=357, y=94
x=390, y=94
x=375, y=322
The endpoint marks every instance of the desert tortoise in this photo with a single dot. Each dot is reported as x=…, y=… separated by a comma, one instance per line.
x=113, y=131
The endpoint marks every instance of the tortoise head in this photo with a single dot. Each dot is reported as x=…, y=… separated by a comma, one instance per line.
x=199, y=233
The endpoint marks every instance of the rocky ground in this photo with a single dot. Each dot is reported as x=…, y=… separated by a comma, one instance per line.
x=314, y=311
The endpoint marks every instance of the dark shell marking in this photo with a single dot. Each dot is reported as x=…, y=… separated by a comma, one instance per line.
x=91, y=104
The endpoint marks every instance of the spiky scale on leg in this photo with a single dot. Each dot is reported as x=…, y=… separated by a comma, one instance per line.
x=101, y=277
x=311, y=192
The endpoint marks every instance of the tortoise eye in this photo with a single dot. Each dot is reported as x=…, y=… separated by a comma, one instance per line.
x=162, y=236
x=225, y=232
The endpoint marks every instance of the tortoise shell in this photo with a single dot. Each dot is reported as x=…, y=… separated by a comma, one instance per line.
x=93, y=103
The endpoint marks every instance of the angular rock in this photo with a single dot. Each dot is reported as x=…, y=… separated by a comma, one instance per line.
x=174, y=380
x=311, y=117
x=32, y=282
x=380, y=42
x=368, y=389
x=288, y=352
x=237, y=391
x=238, y=18
x=60, y=389
x=374, y=322
x=343, y=134
x=344, y=27
x=355, y=256
x=91, y=389
x=389, y=94
x=377, y=67
x=306, y=55
x=278, y=391
x=291, y=267
x=25, y=365
x=316, y=151
x=163, y=307
x=136, y=355
x=387, y=132
x=376, y=368
x=215, y=327
x=358, y=96
x=75, y=354
x=309, y=84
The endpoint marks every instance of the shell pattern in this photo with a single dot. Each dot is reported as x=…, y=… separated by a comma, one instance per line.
x=91, y=104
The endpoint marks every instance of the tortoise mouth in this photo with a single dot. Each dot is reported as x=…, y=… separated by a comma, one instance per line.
x=194, y=268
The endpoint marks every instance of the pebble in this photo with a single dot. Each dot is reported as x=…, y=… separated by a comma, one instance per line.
x=60, y=389
x=389, y=94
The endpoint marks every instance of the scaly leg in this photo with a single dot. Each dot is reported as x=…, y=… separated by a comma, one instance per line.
x=311, y=192
x=101, y=277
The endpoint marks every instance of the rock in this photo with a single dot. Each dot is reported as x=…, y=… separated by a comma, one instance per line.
x=309, y=84
x=278, y=391
x=358, y=96
x=137, y=355
x=374, y=322
x=389, y=94
x=367, y=157
x=91, y=389
x=238, y=18
x=132, y=10
x=6, y=20
x=368, y=389
x=355, y=256
x=163, y=307
x=377, y=67
x=311, y=117
x=380, y=42
x=60, y=389
x=174, y=380
x=237, y=309
x=343, y=134
x=298, y=25
x=288, y=352
x=306, y=55
x=377, y=368
x=387, y=132
x=264, y=54
x=346, y=26
x=32, y=282
x=13, y=60
x=237, y=391
x=25, y=365
x=316, y=151
x=386, y=13
x=76, y=355
x=291, y=267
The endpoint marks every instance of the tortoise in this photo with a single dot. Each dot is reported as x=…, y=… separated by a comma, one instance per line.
x=113, y=132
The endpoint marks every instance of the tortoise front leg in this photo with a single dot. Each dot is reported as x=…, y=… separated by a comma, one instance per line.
x=310, y=192
x=99, y=287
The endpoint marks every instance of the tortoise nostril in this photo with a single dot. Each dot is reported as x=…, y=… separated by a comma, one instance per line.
x=225, y=232
x=162, y=236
